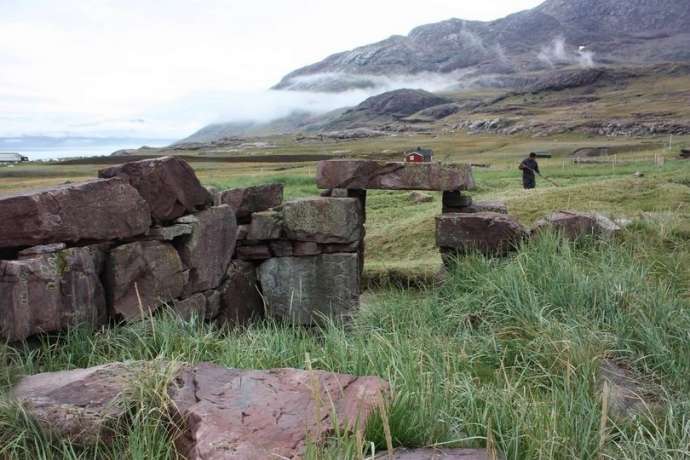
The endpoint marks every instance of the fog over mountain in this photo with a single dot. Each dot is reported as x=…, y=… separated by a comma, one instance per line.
x=556, y=33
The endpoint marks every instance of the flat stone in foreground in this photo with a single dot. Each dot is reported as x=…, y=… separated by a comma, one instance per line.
x=370, y=174
x=305, y=289
x=234, y=414
x=97, y=210
x=51, y=292
x=83, y=406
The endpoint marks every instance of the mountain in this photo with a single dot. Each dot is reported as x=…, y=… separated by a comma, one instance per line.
x=557, y=33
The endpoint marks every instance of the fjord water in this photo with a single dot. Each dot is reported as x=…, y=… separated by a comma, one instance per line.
x=50, y=148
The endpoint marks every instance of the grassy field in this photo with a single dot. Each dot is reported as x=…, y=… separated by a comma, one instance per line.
x=505, y=354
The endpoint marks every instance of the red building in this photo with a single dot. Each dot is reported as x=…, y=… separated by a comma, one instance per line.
x=419, y=155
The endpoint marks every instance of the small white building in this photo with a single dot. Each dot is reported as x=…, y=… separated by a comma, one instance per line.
x=12, y=158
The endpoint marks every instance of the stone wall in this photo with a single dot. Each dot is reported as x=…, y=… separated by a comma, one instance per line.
x=148, y=234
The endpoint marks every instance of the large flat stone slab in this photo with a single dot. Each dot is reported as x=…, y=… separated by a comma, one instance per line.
x=97, y=210
x=369, y=174
x=306, y=289
x=51, y=292
x=235, y=414
x=168, y=184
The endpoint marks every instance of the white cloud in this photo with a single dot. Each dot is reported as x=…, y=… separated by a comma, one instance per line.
x=93, y=66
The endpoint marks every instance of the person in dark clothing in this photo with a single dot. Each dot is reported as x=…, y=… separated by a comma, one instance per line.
x=529, y=167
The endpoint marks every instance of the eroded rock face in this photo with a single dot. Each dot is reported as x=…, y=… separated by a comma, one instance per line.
x=206, y=253
x=324, y=220
x=245, y=201
x=82, y=405
x=153, y=268
x=240, y=299
x=574, y=225
x=50, y=292
x=487, y=232
x=440, y=454
x=369, y=174
x=97, y=210
x=168, y=184
x=305, y=289
x=258, y=415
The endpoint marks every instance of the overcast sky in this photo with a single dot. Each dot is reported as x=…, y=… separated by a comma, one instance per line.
x=164, y=68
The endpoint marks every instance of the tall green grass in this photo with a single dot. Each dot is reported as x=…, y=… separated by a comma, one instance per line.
x=505, y=354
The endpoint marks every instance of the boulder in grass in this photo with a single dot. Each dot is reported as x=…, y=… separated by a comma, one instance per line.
x=245, y=201
x=168, y=184
x=324, y=220
x=487, y=232
x=236, y=414
x=573, y=225
x=420, y=197
x=141, y=276
x=97, y=210
x=51, y=292
x=83, y=406
x=206, y=253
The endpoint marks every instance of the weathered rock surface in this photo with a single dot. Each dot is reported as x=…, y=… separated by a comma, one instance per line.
x=487, y=232
x=254, y=252
x=245, y=201
x=574, y=225
x=440, y=454
x=240, y=299
x=258, y=415
x=83, y=405
x=324, y=220
x=305, y=248
x=97, y=210
x=168, y=184
x=265, y=225
x=208, y=250
x=152, y=268
x=51, y=292
x=305, y=289
x=369, y=174
x=194, y=305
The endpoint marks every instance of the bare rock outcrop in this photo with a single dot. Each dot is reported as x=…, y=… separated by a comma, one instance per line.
x=97, y=210
x=256, y=415
x=168, y=184
x=50, y=292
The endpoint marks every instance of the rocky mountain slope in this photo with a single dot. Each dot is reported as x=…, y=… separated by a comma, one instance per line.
x=556, y=33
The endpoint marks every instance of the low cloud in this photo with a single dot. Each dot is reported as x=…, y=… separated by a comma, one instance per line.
x=559, y=53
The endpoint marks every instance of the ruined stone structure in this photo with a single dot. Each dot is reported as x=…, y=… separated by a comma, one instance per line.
x=147, y=234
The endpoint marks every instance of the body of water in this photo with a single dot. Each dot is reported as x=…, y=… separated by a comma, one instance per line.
x=57, y=148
